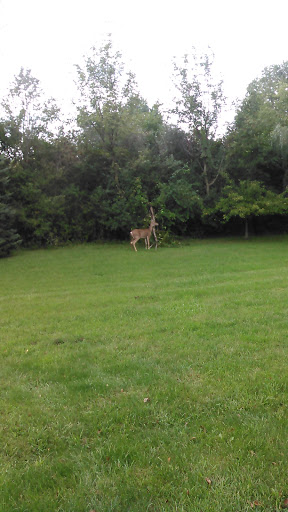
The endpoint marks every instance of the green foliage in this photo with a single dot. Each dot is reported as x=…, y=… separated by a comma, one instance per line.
x=178, y=203
x=9, y=238
x=198, y=108
x=95, y=176
x=250, y=199
x=257, y=145
x=279, y=138
x=28, y=116
x=108, y=104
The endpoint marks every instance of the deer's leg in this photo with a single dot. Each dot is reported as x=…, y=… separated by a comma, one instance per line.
x=133, y=242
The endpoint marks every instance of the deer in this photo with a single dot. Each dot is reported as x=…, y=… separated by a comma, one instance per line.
x=145, y=233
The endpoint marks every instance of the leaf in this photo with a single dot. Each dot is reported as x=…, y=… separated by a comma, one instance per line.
x=285, y=503
x=255, y=503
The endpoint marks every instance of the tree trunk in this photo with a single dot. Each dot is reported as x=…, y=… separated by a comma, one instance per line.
x=156, y=241
x=246, y=229
x=205, y=173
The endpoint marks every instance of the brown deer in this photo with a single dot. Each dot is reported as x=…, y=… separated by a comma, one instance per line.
x=145, y=233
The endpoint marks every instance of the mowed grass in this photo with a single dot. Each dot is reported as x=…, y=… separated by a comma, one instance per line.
x=151, y=381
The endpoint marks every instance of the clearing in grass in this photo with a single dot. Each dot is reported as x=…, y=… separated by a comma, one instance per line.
x=152, y=381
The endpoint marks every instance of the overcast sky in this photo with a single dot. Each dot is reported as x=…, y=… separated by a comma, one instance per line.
x=49, y=37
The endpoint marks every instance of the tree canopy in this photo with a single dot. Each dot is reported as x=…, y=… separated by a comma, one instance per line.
x=94, y=176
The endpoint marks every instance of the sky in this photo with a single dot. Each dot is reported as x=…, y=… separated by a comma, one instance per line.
x=50, y=37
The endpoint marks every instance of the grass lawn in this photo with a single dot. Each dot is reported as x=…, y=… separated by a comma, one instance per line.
x=152, y=381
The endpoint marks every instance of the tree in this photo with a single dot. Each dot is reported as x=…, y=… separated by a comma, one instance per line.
x=107, y=96
x=9, y=238
x=119, y=142
x=279, y=137
x=257, y=143
x=28, y=117
x=248, y=200
x=198, y=109
x=29, y=141
x=179, y=205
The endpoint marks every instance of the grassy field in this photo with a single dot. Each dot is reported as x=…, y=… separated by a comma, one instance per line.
x=153, y=381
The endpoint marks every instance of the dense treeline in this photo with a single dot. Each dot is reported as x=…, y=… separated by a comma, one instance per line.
x=94, y=176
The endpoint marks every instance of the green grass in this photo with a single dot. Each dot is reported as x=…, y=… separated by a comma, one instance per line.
x=89, y=332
